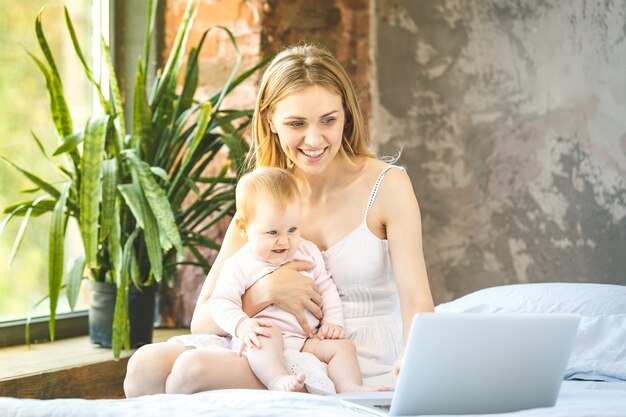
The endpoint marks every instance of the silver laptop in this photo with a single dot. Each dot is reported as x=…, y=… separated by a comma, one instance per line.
x=475, y=363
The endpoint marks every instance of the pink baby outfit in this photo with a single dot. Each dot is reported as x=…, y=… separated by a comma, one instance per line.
x=243, y=269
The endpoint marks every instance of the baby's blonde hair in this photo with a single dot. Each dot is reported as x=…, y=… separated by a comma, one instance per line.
x=277, y=185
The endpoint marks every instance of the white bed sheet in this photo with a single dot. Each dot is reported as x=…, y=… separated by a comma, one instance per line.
x=576, y=399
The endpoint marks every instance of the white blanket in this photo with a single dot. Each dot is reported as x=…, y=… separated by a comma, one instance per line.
x=576, y=399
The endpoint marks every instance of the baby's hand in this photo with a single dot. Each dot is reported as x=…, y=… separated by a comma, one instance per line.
x=249, y=331
x=330, y=331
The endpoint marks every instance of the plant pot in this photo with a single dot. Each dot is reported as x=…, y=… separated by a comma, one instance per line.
x=140, y=313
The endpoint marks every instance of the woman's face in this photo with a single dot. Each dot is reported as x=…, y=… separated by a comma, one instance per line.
x=309, y=125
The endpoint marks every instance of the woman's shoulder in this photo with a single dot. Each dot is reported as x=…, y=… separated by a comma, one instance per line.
x=393, y=174
x=395, y=185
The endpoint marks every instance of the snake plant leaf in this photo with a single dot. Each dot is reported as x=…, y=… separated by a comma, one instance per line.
x=117, y=96
x=76, y=267
x=91, y=186
x=147, y=222
x=55, y=254
x=190, y=81
x=30, y=190
x=79, y=53
x=149, y=28
x=20, y=235
x=133, y=271
x=142, y=114
x=58, y=104
x=132, y=197
x=109, y=185
x=45, y=186
x=39, y=143
x=43, y=43
x=167, y=80
x=114, y=243
x=12, y=211
x=157, y=200
x=121, y=324
x=70, y=142
x=203, y=122
x=17, y=243
x=161, y=173
x=29, y=317
x=19, y=209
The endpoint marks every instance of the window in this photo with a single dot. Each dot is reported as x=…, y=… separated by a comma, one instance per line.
x=25, y=107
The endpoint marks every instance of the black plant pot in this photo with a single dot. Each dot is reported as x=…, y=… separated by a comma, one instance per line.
x=140, y=313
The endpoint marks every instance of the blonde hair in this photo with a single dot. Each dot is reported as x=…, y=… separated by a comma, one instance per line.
x=277, y=185
x=293, y=70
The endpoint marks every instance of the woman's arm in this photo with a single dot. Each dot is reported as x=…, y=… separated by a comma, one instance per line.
x=289, y=290
x=401, y=217
x=202, y=321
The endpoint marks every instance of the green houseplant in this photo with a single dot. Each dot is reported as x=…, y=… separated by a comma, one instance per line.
x=140, y=193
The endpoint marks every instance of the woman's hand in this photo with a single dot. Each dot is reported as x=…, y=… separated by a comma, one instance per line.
x=289, y=290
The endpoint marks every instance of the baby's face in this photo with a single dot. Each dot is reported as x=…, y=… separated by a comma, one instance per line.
x=274, y=236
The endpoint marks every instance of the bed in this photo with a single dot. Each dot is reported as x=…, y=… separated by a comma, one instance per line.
x=595, y=379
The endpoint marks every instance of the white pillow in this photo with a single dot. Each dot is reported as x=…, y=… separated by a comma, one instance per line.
x=599, y=351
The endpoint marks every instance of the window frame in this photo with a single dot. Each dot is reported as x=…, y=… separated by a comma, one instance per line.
x=110, y=18
x=72, y=324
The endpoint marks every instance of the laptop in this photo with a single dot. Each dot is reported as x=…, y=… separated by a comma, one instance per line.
x=477, y=363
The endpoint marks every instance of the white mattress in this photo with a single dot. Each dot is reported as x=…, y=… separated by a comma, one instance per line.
x=576, y=399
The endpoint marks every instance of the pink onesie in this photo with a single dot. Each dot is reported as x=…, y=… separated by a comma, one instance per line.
x=243, y=269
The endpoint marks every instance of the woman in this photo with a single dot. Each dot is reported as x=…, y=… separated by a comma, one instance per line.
x=360, y=211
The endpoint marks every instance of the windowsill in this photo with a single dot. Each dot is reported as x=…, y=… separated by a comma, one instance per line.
x=66, y=368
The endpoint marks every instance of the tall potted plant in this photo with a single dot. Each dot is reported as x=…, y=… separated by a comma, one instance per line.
x=140, y=194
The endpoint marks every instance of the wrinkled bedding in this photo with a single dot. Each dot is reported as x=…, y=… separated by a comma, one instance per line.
x=576, y=399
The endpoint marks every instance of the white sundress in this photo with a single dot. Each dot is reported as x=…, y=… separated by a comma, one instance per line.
x=361, y=268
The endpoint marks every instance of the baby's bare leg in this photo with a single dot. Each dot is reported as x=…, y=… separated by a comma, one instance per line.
x=343, y=367
x=268, y=364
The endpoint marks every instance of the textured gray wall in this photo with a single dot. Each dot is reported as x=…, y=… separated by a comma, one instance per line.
x=512, y=119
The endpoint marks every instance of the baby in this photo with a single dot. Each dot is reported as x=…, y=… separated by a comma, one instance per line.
x=268, y=215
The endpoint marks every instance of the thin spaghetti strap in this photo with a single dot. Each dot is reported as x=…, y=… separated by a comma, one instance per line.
x=370, y=202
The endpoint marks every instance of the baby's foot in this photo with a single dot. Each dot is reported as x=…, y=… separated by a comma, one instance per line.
x=361, y=388
x=288, y=383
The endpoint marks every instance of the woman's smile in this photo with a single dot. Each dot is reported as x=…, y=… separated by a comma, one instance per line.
x=313, y=154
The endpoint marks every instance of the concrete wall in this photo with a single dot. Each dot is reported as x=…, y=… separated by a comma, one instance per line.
x=511, y=117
